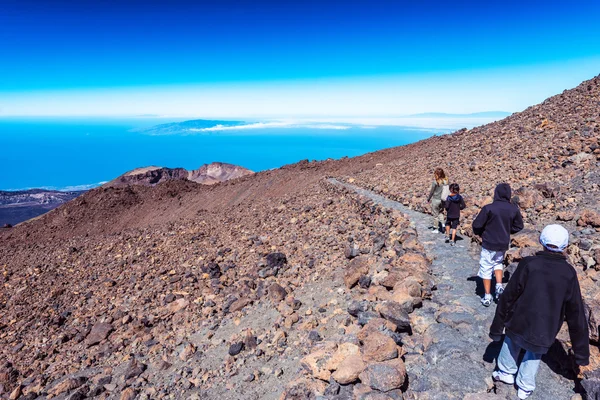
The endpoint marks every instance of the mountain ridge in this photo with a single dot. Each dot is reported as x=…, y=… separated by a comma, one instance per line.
x=206, y=174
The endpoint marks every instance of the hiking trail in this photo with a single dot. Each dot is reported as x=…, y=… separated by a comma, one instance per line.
x=459, y=357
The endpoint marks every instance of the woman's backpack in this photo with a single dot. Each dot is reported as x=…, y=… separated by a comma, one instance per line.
x=445, y=192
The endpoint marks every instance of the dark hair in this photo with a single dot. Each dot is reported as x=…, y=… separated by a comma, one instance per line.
x=454, y=188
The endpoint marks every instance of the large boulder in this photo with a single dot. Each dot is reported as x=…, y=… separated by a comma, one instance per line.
x=379, y=347
x=589, y=217
x=349, y=369
x=317, y=361
x=397, y=314
x=99, y=332
x=385, y=376
x=356, y=268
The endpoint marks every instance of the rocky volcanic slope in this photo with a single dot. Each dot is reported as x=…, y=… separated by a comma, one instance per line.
x=277, y=284
x=142, y=312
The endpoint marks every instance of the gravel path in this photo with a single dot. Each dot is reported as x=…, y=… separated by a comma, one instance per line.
x=458, y=356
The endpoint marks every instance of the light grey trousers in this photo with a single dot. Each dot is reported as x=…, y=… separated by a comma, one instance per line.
x=507, y=363
x=437, y=212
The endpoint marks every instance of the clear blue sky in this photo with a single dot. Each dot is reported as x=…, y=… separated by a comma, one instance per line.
x=83, y=52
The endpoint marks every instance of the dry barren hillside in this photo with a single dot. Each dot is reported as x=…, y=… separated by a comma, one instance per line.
x=246, y=289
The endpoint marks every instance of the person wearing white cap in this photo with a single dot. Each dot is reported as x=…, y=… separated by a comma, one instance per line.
x=542, y=293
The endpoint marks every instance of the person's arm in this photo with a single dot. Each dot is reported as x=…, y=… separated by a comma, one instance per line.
x=511, y=294
x=480, y=221
x=462, y=204
x=517, y=222
x=431, y=191
x=578, y=327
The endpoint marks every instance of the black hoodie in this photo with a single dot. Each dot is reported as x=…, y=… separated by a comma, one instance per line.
x=453, y=205
x=542, y=293
x=498, y=220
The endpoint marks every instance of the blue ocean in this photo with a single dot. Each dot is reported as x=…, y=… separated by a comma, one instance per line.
x=72, y=153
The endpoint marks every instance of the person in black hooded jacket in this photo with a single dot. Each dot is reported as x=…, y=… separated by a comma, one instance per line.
x=543, y=293
x=453, y=204
x=495, y=223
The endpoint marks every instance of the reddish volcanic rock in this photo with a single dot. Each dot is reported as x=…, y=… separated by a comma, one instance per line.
x=216, y=172
x=148, y=176
x=208, y=174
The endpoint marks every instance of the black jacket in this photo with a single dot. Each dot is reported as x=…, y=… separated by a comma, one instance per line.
x=543, y=291
x=453, y=205
x=498, y=220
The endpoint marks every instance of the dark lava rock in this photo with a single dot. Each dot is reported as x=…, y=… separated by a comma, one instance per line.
x=585, y=244
x=395, y=313
x=332, y=389
x=365, y=316
x=355, y=307
x=80, y=393
x=213, y=270
x=378, y=243
x=134, y=369
x=236, y=348
x=314, y=336
x=591, y=385
x=276, y=260
x=351, y=252
x=364, y=281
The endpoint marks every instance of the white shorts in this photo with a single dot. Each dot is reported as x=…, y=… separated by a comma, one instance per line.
x=490, y=261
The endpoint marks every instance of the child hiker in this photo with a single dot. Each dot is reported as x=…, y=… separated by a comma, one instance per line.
x=542, y=293
x=495, y=223
x=453, y=204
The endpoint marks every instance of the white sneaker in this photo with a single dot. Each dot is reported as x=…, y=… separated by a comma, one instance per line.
x=503, y=377
x=523, y=394
x=499, y=291
x=435, y=230
x=486, y=300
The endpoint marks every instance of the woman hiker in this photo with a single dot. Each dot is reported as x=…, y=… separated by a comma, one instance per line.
x=435, y=199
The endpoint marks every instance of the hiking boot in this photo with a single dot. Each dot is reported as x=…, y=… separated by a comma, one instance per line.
x=447, y=240
x=452, y=243
x=486, y=300
x=499, y=291
x=523, y=394
x=499, y=376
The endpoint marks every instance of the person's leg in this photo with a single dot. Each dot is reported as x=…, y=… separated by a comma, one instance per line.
x=528, y=371
x=454, y=235
x=485, y=273
x=435, y=212
x=447, y=230
x=487, y=286
x=507, y=362
x=498, y=262
x=441, y=218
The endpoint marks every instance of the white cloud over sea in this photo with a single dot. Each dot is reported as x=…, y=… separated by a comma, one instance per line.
x=268, y=125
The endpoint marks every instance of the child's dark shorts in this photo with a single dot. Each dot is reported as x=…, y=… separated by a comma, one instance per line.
x=452, y=222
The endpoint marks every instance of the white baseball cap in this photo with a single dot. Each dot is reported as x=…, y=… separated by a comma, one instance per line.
x=556, y=236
